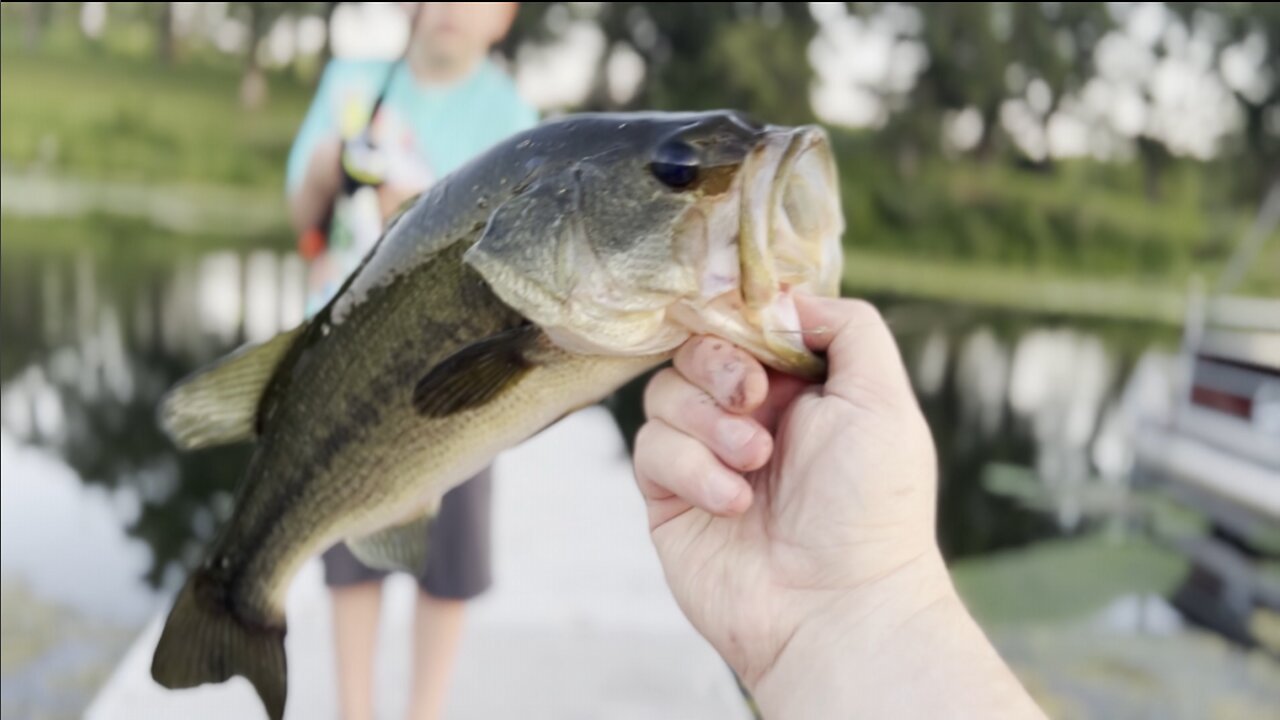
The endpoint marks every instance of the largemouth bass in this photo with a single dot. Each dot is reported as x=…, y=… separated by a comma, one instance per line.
x=532, y=282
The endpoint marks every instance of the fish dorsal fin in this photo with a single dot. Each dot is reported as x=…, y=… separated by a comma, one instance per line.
x=219, y=404
x=476, y=374
x=399, y=547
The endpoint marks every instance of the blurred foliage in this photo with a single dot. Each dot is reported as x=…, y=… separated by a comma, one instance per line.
x=981, y=42
x=1084, y=216
x=1060, y=579
x=713, y=55
x=74, y=113
x=1256, y=153
x=1153, y=223
x=987, y=225
x=751, y=55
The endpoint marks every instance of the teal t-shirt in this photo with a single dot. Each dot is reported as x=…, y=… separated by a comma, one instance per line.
x=444, y=125
x=423, y=132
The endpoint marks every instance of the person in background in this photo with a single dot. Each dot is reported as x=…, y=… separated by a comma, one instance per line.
x=377, y=134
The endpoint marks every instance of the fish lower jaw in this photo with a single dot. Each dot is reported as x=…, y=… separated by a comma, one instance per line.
x=771, y=332
x=788, y=240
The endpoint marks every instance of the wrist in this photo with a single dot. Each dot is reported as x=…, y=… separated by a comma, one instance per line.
x=825, y=666
x=902, y=647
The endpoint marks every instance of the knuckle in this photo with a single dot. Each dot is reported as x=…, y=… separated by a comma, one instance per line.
x=667, y=460
x=644, y=444
x=703, y=354
x=862, y=312
x=871, y=395
x=685, y=469
x=656, y=390
x=755, y=385
x=689, y=353
x=649, y=487
x=763, y=450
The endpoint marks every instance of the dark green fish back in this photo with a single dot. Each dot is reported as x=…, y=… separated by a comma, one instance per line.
x=337, y=389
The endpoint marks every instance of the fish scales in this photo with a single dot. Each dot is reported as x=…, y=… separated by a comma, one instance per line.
x=357, y=393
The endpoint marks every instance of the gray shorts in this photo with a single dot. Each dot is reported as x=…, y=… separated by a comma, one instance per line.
x=458, y=550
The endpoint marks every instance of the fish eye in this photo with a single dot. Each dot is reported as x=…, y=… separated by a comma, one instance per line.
x=675, y=164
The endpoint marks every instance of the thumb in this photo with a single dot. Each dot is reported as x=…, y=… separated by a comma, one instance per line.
x=861, y=352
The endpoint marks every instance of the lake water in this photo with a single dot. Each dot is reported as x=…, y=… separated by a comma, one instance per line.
x=101, y=517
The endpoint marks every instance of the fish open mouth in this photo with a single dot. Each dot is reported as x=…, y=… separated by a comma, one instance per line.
x=788, y=240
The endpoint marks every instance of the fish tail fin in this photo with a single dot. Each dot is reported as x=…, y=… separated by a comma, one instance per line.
x=204, y=642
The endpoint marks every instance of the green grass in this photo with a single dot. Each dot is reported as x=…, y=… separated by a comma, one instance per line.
x=119, y=118
x=132, y=240
x=1037, y=290
x=1009, y=236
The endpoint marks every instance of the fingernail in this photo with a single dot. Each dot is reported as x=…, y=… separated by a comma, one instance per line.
x=734, y=433
x=723, y=489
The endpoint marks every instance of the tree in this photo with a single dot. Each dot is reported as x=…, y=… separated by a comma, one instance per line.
x=1251, y=29
x=973, y=46
x=326, y=51
x=258, y=18
x=749, y=56
x=710, y=55
x=38, y=15
x=164, y=33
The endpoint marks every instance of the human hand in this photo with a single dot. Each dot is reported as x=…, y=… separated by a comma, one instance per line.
x=771, y=499
x=794, y=521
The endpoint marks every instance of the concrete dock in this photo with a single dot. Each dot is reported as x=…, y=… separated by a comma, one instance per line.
x=579, y=623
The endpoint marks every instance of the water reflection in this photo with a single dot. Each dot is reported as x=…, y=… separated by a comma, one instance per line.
x=75, y=553
x=93, y=337
x=1006, y=390
x=1058, y=383
x=982, y=373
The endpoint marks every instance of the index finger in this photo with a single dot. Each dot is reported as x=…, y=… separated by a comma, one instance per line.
x=726, y=372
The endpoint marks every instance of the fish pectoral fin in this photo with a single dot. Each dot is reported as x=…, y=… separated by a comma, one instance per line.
x=399, y=547
x=477, y=373
x=219, y=405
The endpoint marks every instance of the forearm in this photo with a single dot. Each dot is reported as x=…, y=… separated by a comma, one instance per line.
x=875, y=655
x=310, y=202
